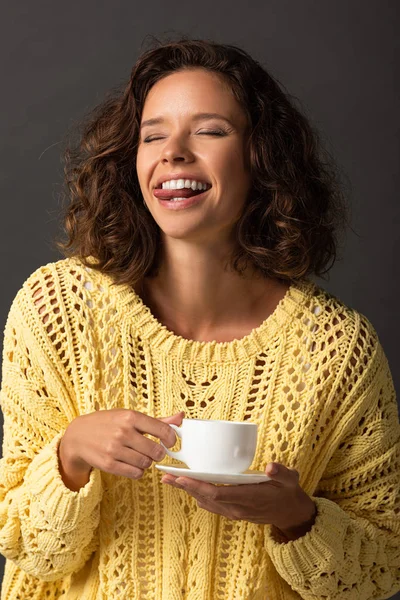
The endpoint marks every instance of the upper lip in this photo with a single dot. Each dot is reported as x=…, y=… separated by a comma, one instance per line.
x=169, y=176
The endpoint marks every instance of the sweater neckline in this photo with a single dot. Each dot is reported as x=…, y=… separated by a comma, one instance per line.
x=141, y=319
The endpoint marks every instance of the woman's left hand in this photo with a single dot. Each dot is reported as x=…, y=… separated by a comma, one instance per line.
x=280, y=502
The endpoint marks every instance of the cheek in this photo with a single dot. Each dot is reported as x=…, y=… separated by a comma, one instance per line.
x=235, y=185
x=232, y=170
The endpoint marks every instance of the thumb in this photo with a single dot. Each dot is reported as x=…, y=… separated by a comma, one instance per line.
x=176, y=419
x=282, y=474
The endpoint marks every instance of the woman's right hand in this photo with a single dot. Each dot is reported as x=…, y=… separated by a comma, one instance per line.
x=113, y=441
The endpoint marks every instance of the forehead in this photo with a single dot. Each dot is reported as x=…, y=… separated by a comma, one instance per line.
x=187, y=91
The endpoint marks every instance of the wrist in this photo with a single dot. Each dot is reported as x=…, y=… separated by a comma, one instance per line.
x=300, y=527
x=68, y=457
x=73, y=474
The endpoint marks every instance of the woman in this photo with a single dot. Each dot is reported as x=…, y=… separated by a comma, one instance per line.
x=204, y=308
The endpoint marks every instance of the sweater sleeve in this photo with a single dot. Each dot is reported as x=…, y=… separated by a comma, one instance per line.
x=46, y=529
x=352, y=551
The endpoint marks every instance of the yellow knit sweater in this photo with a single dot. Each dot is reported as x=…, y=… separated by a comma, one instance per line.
x=313, y=376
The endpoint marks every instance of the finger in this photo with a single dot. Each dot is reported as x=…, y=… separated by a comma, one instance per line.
x=282, y=474
x=145, y=446
x=207, y=490
x=146, y=424
x=110, y=464
x=235, y=512
x=124, y=470
x=175, y=419
x=133, y=458
x=187, y=485
x=230, y=494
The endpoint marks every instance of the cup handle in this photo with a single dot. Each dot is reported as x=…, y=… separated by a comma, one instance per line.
x=178, y=455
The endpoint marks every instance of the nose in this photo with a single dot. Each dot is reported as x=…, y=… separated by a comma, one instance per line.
x=176, y=151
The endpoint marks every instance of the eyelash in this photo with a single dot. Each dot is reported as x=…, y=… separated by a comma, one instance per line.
x=218, y=133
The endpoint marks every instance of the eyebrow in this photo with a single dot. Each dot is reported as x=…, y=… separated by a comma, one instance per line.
x=197, y=117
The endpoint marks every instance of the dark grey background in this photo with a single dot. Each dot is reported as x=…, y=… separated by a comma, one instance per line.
x=339, y=58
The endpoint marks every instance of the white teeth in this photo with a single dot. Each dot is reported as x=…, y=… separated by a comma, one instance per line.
x=179, y=184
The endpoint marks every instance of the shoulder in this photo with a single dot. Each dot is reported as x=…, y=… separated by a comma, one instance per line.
x=341, y=335
x=65, y=276
x=56, y=290
x=327, y=314
x=59, y=269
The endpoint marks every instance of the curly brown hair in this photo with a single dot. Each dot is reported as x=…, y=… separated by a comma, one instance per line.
x=296, y=207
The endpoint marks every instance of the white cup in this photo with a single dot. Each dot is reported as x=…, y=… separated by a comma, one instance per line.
x=213, y=446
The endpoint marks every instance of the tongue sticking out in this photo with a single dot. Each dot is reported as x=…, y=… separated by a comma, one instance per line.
x=182, y=193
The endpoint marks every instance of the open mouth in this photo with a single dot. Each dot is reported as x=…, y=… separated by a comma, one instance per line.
x=159, y=186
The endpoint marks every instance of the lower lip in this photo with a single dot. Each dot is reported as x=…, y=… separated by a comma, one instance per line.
x=181, y=204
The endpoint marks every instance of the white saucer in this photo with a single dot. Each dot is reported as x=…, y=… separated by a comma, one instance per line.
x=232, y=478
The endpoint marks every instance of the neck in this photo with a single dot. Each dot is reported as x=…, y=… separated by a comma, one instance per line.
x=195, y=296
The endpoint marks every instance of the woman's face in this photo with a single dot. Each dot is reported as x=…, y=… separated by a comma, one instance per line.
x=210, y=148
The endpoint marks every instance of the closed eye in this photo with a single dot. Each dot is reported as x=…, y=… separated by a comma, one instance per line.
x=212, y=132
x=218, y=133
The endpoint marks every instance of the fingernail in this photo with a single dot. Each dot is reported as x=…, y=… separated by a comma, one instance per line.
x=272, y=469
